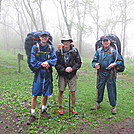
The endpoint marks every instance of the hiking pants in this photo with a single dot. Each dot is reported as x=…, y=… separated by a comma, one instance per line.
x=109, y=79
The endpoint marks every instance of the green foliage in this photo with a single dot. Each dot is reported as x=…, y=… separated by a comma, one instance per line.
x=15, y=89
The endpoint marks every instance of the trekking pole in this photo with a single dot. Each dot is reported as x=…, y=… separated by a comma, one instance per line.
x=69, y=105
x=50, y=80
x=39, y=113
x=97, y=80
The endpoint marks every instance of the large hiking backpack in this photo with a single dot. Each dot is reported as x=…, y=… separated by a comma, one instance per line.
x=31, y=39
x=115, y=43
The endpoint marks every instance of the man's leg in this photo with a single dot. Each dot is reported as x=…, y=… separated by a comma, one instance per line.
x=60, y=97
x=43, y=109
x=44, y=100
x=111, y=87
x=100, y=90
x=60, y=110
x=61, y=84
x=33, y=102
x=72, y=83
x=33, y=106
x=73, y=98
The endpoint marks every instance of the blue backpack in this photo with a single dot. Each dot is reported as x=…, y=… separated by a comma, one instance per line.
x=115, y=43
x=31, y=39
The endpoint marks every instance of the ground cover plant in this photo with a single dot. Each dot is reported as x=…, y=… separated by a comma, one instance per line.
x=15, y=99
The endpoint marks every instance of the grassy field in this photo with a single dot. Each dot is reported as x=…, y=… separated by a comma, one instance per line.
x=15, y=93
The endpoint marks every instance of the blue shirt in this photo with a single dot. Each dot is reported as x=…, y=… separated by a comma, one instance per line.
x=67, y=57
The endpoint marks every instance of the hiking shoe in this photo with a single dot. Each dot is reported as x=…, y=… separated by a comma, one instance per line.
x=31, y=119
x=114, y=110
x=73, y=111
x=60, y=110
x=45, y=114
x=97, y=106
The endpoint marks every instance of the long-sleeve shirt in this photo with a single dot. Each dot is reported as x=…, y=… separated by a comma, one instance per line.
x=105, y=58
x=46, y=54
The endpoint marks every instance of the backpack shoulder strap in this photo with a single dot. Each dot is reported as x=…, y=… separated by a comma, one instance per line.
x=49, y=48
x=111, y=50
x=74, y=49
x=99, y=50
x=37, y=49
x=61, y=51
x=112, y=53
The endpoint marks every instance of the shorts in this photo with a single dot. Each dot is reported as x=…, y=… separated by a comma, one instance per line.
x=63, y=82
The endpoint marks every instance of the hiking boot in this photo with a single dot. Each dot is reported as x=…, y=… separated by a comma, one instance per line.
x=45, y=114
x=114, y=110
x=31, y=119
x=97, y=106
x=60, y=110
x=73, y=111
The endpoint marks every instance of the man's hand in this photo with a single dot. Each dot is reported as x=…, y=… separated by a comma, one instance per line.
x=111, y=65
x=97, y=66
x=45, y=64
x=68, y=69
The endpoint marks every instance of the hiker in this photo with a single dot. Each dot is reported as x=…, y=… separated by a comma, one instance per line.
x=103, y=61
x=68, y=62
x=42, y=83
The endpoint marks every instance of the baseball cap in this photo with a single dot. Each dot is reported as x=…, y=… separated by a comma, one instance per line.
x=105, y=38
x=44, y=32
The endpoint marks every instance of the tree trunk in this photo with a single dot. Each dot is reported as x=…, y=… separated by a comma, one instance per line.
x=30, y=13
x=41, y=15
x=124, y=31
x=81, y=20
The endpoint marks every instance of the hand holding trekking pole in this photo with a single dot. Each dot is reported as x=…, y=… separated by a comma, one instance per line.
x=111, y=65
x=45, y=64
x=97, y=66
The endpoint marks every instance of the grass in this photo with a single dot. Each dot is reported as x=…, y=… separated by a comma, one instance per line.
x=16, y=92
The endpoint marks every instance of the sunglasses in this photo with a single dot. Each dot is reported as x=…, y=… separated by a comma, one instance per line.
x=105, y=40
x=44, y=35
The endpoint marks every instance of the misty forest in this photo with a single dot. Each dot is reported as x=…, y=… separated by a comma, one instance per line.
x=84, y=20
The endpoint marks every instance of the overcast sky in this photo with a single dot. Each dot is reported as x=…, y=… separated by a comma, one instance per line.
x=50, y=12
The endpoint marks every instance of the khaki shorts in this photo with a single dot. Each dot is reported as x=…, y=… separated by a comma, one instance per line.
x=63, y=82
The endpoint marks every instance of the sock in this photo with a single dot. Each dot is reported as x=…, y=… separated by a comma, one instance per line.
x=33, y=112
x=43, y=107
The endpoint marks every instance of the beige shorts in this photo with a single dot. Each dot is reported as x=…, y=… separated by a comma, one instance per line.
x=63, y=82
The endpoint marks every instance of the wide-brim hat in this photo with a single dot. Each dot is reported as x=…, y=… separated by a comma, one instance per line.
x=66, y=38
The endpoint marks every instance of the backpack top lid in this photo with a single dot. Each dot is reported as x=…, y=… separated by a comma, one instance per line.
x=114, y=41
x=36, y=34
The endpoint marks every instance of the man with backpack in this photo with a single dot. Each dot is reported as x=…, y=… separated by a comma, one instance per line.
x=105, y=63
x=68, y=62
x=42, y=59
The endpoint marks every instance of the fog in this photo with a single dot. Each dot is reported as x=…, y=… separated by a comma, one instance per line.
x=84, y=20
